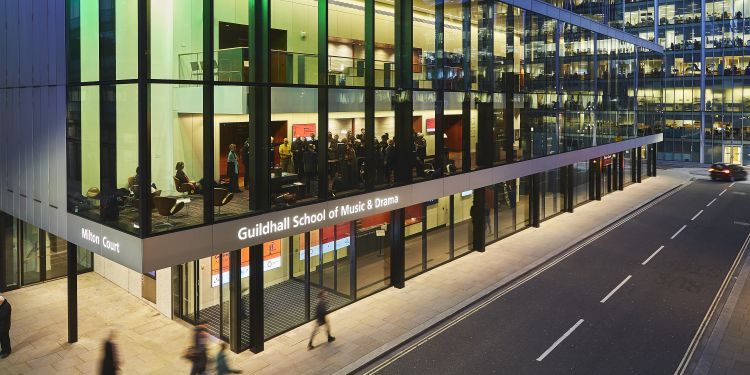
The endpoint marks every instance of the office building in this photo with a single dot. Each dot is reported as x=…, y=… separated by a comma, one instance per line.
x=226, y=160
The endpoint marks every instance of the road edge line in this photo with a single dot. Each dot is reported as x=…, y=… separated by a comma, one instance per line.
x=713, y=308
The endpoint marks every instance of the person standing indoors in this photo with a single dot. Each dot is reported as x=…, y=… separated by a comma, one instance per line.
x=321, y=318
x=298, y=148
x=233, y=169
x=285, y=156
x=5, y=310
x=110, y=363
x=222, y=367
x=246, y=162
x=390, y=161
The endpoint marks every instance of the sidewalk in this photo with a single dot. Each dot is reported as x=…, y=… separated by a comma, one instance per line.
x=151, y=343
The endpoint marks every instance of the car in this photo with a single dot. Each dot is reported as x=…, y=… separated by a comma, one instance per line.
x=727, y=172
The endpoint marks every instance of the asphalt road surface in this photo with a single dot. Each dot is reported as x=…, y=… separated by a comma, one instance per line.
x=628, y=302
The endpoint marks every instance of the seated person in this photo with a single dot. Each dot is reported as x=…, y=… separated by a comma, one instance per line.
x=195, y=187
x=136, y=179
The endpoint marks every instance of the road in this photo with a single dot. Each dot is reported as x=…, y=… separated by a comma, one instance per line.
x=627, y=302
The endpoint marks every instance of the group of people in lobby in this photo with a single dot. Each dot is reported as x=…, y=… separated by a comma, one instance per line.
x=345, y=156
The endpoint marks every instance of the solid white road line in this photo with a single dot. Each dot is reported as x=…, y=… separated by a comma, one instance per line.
x=556, y=343
x=711, y=202
x=696, y=215
x=652, y=255
x=722, y=192
x=619, y=286
x=678, y=232
x=732, y=184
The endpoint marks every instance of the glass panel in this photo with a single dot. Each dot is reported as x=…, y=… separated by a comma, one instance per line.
x=413, y=229
x=294, y=114
x=294, y=40
x=438, y=231
x=423, y=126
x=31, y=253
x=522, y=203
x=189, y=283
x=283, y=297
x=373, y=254
x=490, y=215
x=385, y=129
x=245, y=298
x=126, y=150
x=454, y=134
x=126, y=45
x=10, y=247
x=346, y=149
x=231, y=129
x=231, y=42
x=213, y=272
x=85, y=260
x=89, y=26
x=462, y=223
x=346, y=41
x=176, y=115
x=385, y=46
x=506, y=197
x=56, y=256
x=176, y=40
x=581, y=179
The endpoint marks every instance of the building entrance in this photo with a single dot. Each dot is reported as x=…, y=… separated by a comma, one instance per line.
x=733, y=154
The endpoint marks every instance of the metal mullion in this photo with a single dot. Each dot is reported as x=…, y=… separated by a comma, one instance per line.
x=208, y=112
x=440, y=83
x=307, y=275
x=466, y=103
x=424, y=236
x=352, y=254
x=370, y=159
x=451, y=227
x=144, y=124
x=322, y=100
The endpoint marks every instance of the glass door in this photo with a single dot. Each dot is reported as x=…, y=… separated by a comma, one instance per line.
x=31, y=267
x=9, y=252
x=733, y=154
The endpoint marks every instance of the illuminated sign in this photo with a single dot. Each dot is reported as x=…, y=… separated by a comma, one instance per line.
x=305, y=219
x=103, y=241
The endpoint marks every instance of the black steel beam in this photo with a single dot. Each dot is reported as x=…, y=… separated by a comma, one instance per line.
x=398, y=256
x=257, y=338
x=72, y=292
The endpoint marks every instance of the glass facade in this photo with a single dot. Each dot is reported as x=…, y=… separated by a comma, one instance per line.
x=261, y=106
x=189, y=113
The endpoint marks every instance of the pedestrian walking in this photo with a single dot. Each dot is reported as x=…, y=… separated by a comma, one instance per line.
x=110, y=363
x=4, y=327
x=321, y=318
x=222, y=367
x=197, y=353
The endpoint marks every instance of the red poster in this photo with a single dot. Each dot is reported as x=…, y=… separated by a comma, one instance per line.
x=430, y=125
x=303, y=130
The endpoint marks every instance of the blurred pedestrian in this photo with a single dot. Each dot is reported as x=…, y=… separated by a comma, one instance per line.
x=4, y=327
x=321, y=318
x=197, y=353
x=110, y=363
x=222, y=368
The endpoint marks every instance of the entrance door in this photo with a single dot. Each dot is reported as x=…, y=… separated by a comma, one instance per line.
x=733, y=154
x=31, y=250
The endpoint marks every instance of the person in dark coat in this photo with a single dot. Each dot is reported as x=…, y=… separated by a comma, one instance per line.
x=310, y=162
x=5, y=310
x=390, y=161
x=321, y=319
x=198, y=353
x=298, y=149
x=110, y=363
